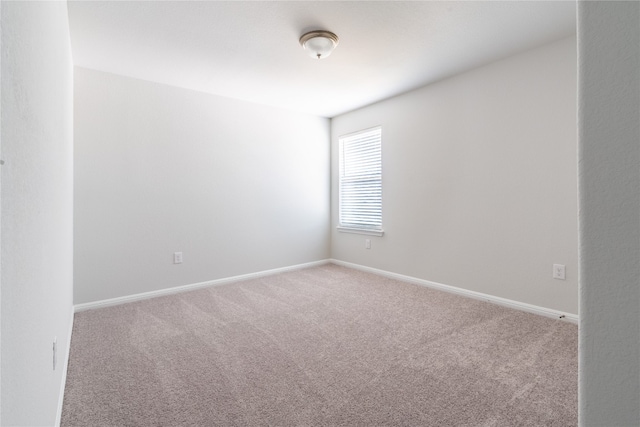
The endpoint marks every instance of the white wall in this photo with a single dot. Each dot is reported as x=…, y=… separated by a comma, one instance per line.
x=479, y=180
x=37, y=208
x=237, y=187
x=609, y=176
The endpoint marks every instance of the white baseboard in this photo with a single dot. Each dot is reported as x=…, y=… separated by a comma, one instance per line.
x=65, y=367
x=542, y=311
x=177, y=289
x=529, y=308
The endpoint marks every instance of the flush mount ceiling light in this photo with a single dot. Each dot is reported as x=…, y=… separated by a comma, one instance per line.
x=319, y=44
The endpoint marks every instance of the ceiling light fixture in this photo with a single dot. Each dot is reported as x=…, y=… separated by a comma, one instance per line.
x=319, y=44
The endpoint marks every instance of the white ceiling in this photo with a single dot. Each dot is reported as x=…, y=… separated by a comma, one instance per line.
x=249, y=49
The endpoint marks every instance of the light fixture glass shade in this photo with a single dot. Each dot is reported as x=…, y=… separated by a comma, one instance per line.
x=319, y=44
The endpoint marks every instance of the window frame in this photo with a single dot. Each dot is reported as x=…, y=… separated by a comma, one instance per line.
x=351, y=227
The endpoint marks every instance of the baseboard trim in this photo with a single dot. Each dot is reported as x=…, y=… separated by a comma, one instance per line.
x=529, y=308
x=65, y=367
x=185, y=288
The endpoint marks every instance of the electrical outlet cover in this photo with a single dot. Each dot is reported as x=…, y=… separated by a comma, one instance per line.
x=559, y=271
x=55, y=350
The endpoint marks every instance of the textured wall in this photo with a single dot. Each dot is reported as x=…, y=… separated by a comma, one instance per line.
x=609, y=168
x=37, y=208
x=237, y=187
x=479, y=180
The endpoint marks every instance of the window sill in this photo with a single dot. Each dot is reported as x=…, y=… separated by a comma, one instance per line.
x=360, y=231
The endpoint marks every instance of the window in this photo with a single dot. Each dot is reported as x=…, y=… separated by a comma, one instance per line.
x=360, y=187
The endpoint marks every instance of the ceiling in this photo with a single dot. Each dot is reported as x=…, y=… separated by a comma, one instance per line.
x=249, y=49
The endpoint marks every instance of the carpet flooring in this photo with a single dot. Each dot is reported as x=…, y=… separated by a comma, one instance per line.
x=323, y=346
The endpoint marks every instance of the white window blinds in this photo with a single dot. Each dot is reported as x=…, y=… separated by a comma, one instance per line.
x=360, y=189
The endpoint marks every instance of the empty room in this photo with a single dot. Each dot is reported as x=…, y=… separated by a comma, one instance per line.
x=320, y=213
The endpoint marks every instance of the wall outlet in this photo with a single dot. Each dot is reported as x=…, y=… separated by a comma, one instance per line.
x=55, y=351
x=177, y=257
x=367, y=243
x=559, y=271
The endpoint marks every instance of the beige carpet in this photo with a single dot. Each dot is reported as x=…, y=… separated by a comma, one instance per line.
x=323, y=346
